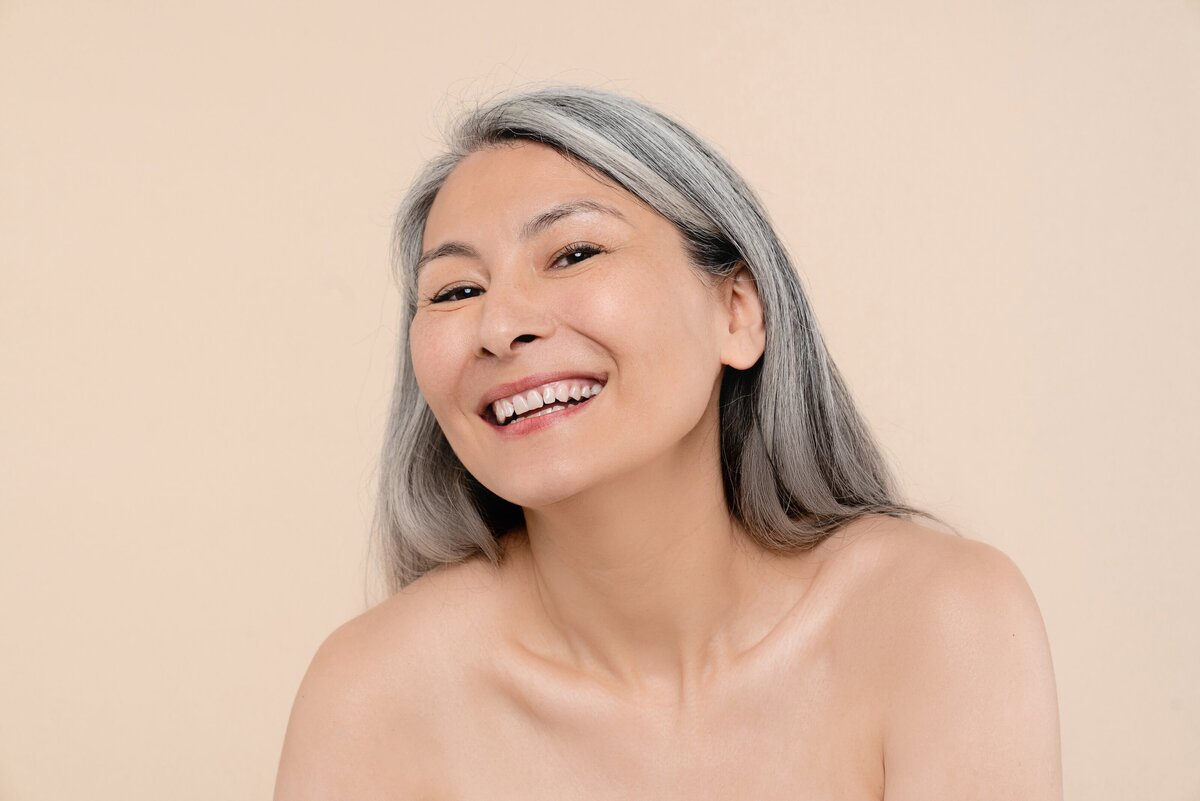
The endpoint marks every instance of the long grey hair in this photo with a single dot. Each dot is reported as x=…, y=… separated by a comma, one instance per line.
x=797, y=458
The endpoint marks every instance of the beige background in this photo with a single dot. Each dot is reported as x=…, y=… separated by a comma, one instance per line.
x=994, y=206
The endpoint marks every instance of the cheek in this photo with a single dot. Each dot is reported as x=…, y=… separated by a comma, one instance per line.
x=655, y=327
x=431, y=356
x=635, y=301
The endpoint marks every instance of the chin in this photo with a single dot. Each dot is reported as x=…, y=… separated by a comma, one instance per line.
x=544, y=487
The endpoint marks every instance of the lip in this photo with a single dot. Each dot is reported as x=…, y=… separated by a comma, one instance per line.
x=532, y=382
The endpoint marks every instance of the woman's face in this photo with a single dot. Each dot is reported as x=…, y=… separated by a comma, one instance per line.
x=607, y=297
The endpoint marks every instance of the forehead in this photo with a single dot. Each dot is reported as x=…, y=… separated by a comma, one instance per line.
x=496, y=190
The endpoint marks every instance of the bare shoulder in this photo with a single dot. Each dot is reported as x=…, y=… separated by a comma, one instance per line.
x=905, y=550
x=371, y=694
x=970, y=707
x=922, y=587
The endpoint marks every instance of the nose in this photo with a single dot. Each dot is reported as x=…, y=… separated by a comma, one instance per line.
x=510, y=314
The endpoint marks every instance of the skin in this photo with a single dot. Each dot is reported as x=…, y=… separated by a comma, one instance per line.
x=635, y=643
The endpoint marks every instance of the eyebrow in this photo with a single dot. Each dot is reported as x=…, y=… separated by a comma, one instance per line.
x=532, y=228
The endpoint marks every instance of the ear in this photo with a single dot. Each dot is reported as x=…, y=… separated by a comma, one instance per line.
x=744, y=341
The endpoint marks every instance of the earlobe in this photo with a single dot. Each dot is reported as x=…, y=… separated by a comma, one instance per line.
x=747, y=334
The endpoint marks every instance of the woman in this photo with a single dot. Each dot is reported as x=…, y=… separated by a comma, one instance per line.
x=641, y=542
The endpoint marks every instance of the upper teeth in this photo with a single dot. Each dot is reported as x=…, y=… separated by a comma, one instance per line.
x=520, y=403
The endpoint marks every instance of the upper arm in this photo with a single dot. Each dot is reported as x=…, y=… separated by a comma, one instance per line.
x=972, y=709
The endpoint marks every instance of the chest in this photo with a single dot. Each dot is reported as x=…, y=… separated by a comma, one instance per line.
x=795, y=730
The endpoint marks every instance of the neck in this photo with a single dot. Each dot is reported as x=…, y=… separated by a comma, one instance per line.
x=648, y=580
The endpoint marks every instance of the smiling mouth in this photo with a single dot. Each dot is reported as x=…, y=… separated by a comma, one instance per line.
x=552, y=408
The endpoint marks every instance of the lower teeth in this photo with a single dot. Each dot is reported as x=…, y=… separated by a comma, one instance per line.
x=546, y=410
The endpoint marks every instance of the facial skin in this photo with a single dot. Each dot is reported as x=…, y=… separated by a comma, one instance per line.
x=636, y=311
x=631, y=544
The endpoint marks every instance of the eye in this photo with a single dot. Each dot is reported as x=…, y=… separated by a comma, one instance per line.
x=579, y=250
x=448, y=295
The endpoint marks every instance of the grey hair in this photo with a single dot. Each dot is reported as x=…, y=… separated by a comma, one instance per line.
x=798, y=461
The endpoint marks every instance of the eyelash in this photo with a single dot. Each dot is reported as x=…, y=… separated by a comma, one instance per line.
x=569, y=250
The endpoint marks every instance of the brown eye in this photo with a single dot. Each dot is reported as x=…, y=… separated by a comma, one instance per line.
x=448, y=295
x=576, y=251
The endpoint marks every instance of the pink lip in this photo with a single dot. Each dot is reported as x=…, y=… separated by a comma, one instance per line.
x=531, y=382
